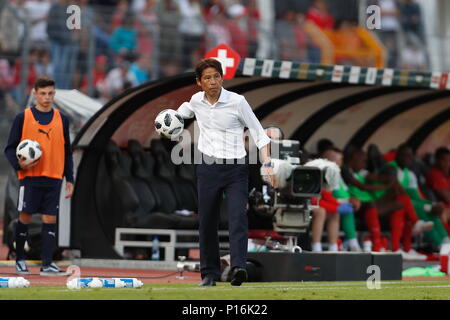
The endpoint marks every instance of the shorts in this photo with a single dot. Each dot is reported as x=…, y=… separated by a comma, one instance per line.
x=39, y=199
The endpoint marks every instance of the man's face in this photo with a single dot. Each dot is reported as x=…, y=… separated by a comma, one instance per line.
x=359, y=160
x=211, y=82
x=443, y=163
x=405, y=158
x=44, y=96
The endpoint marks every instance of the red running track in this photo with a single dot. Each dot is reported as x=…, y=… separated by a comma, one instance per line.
x=146, y=276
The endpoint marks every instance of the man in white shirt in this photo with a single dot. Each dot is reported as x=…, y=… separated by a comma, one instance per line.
x=222, y=116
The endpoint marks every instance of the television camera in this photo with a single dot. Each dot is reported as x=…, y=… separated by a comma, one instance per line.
x=290, y=202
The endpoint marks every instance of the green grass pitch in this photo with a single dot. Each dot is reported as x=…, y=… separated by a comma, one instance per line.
x=390, y=290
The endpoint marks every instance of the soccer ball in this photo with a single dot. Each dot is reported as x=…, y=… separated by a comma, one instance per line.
x=29, y=151
x=169, y=124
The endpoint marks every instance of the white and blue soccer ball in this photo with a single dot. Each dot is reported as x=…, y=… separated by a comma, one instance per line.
x=169, y=124
x=28, y=151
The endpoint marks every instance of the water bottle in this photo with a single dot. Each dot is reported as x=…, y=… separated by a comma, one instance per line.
x=113, y=283
x=14, y=282
x=78, y=283
x=266, y=196
x=131, y=282
x=155, y=248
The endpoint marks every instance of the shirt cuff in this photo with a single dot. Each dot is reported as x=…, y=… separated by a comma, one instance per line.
x=263, y=142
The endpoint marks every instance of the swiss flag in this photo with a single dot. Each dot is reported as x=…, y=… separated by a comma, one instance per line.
x=227, y=57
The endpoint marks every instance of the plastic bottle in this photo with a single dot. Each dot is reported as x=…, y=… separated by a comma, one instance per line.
x=266, y=196
x=14, y=282
x=78, y=283
x=113, y=283
x=155, y=248
x=131, y=282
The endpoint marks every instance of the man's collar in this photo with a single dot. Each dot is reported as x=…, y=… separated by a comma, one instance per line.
x=223, y=98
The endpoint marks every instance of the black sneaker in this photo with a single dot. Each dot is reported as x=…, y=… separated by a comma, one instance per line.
x=21, y=267
x=52, y=270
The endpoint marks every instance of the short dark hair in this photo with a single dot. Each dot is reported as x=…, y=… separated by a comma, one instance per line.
x=441, y=152
x=205, y=64
x=44, y=82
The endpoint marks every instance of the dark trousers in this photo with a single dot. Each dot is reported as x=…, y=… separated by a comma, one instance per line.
x=212, y=181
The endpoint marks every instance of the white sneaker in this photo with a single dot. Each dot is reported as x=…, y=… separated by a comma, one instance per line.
x=367, y=246
x=414, y=255
x=422, y=226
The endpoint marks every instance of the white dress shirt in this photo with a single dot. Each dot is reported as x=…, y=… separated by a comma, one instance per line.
x=222, y=124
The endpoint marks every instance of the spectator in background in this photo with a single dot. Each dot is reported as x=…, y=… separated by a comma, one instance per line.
x=346, y=38
x=44, y=64
x=438, y=179
x=64, y=44
x=6, y=75
x=412, y=55
x=211, y=8
x=85, y=34
x=98, y=76
x=119, y=79
x=147, y=27
x=318, y=13
x=11, y=29
x=169, y=40
x=411, y=18
x=32, y=75
x=124, y=38
x=390, y=26
x=291, y=39
x=37, y=13
x=141, y=68
x=217, y=31
x=192, y=29
x=253, y=18
x=121, y=10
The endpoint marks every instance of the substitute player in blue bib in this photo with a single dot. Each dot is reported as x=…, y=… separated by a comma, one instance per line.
x=40, y=182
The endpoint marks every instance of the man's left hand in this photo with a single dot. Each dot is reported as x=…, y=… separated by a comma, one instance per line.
x=69, y=190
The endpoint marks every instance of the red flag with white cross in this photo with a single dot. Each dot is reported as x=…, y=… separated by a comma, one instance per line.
x=227, y=57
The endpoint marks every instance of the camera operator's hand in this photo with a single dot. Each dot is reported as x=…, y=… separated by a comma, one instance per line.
x=345, y=208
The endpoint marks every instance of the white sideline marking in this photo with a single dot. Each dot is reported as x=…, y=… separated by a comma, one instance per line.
x=312, y=287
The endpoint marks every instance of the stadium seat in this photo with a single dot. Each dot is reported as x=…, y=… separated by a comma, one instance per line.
x=115, y=196
x=162, y=215
x=183, y=190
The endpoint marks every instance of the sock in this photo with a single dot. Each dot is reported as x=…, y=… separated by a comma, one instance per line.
x=333, y=247
x=21, y=234
x=316, y=246
x=348, y=225
x=353, y=244
x=397, y=223
x=373, y=224
x=48, y=243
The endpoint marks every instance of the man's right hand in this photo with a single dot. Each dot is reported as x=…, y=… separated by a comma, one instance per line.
x=26, y=166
